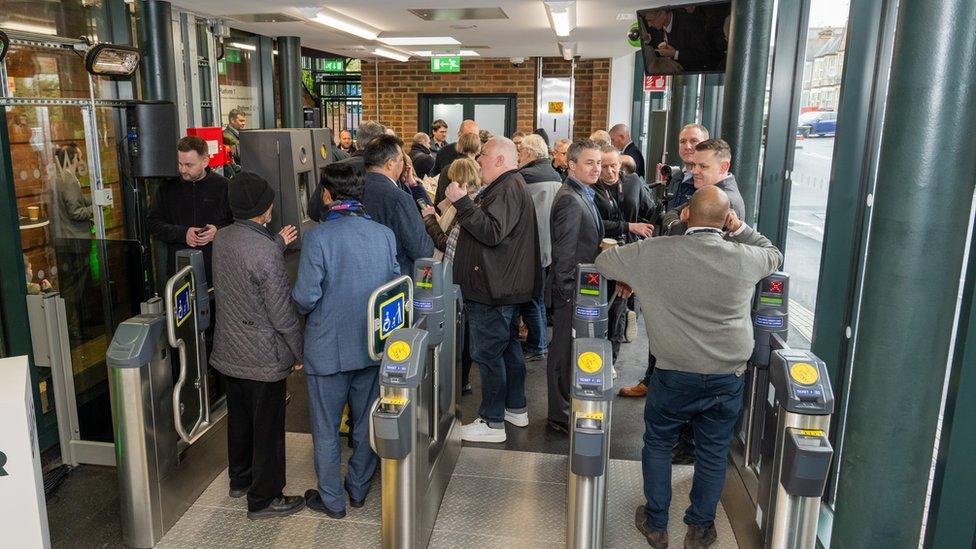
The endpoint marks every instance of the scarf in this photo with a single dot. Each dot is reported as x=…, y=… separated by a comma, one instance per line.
x=346, y=208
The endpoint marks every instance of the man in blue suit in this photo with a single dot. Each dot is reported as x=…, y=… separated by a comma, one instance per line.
x=343, y=260
x=386, y=202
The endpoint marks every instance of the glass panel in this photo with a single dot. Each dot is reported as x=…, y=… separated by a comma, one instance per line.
x=49, y=73
x=239, y=79
x=106, y=123
x=491, y=117
x=452, y=113
x=826, y=38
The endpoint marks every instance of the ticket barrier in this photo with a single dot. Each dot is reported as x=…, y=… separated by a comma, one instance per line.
x=589, y=425
x=169, y=443
x=781, y=448
x=413, y=425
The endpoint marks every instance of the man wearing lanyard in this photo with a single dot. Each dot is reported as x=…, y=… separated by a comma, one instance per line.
x=576, y=230
x=697, y=290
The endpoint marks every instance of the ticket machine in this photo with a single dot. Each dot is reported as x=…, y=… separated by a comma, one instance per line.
x=321, y=153
x=414, y=427
x=284, y=158
x=589, y=421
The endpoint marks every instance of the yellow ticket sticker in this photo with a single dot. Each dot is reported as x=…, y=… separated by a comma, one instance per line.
x=810, y=432
x=590, y=415
x=395, y=401
x=804, y=373
x=589, y=362
x=398, y=351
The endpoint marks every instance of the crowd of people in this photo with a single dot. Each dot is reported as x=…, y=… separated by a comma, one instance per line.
x=515, y=217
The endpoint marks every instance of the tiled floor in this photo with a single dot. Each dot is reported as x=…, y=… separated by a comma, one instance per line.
x=496, y=498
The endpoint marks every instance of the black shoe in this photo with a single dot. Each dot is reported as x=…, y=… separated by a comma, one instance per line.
x=700, y=538
x=466, y=390
x=540, y=355
x=357, y=503
x=282, y=506
x=558, y=426
x=237, y=492
x=315, y=503
x=658, y=539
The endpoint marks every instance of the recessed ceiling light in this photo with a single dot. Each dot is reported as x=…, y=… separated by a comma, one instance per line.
x=562, y=16
x=419, y=41
x=391, y=54
x=462, y=53
x=340, y=22
x=242, y=46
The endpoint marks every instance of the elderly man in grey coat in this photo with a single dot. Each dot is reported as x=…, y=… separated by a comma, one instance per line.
x=257, y=343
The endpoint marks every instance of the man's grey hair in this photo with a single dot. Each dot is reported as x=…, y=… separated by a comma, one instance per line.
x=368, y=131
x=234, y=113
x=536, y=145
x=561, y=141
x=627, y=164
x=621, y=129
x=421, y=138
x=578, y=147
x=698, y=127
x=502, y=146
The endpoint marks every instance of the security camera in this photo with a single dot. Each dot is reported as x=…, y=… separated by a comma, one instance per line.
x=517, y=60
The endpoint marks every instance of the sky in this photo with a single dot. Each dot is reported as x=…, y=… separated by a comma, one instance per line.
x=829, y=13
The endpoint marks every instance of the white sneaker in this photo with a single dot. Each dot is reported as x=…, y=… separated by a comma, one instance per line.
x=631, y=333
x=614, y=370
x=479, y=431
x=518, y=420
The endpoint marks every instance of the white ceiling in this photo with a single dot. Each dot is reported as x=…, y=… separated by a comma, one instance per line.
x=526, y=32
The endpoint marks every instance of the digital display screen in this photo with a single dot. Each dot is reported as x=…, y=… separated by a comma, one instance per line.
x=774, y=287
x=425, y=277
x=770, y=300
x=589, y=283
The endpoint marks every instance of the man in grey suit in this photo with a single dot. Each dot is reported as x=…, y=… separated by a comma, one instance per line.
x=697, y=291
x=576, y=230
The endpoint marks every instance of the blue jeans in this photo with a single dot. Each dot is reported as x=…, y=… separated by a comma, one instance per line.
x=712, y=404
x=496, y=350
x=534, y=314
x=327, y=396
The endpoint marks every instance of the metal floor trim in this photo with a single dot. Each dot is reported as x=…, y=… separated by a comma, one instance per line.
x=497, y=499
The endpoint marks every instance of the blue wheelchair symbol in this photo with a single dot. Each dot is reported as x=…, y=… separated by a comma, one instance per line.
x=392, y=315
x=182, y=304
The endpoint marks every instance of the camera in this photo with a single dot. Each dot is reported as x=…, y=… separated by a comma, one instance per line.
x=667, y=170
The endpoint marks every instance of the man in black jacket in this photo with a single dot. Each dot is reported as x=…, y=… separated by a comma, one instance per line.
x=498, y=268
x=187, y=211
x=576, y=229
x=420, y=155
x=620, y=138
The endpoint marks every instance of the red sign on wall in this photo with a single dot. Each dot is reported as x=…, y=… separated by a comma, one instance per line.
x=656, y=83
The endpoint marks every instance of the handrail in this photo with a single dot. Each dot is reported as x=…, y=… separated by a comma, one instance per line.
x=407, y=309
x=203, y=421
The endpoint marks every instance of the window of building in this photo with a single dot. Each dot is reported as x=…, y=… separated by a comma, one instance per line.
x=239, y=78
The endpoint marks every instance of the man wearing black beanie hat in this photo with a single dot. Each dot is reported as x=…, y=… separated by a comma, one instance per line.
x=257, y=343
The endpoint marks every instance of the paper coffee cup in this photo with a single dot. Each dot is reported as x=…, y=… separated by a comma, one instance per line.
x=33, y=212
x=608, y=243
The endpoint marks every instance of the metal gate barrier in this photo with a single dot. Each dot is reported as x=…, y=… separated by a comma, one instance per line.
x=413, y=425
x=780, y=448
x=169, y=443
x=589, y=422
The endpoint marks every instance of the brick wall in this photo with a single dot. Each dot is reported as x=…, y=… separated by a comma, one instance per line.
x=400, y=83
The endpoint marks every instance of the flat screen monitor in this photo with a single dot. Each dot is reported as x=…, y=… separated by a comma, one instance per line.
x=685, y=39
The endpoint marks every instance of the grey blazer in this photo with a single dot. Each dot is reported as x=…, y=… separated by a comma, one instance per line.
x=575, y=239
x=543, y=195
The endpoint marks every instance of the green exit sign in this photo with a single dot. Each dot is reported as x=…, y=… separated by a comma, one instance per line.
x=450, y=63
x=334, y=65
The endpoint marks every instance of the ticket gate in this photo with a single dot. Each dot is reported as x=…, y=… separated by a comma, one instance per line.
x=413, y=425
x=169, y=443
x=795, y=449
x=589, y=422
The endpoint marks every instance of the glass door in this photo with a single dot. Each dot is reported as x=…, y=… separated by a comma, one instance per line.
x=493, y=112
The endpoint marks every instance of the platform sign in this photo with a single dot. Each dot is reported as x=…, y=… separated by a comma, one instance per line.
x=183, y=304
x=392, y=315
x=448, y=63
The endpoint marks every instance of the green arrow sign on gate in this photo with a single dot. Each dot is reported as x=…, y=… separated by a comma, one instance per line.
x=449, y=63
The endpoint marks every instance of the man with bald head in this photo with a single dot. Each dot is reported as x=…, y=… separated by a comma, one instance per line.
x=620, y=139
x=498, y=266
x=697, y=291
x=447, y=154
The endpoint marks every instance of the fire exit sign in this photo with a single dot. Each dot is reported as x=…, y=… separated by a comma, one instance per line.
x=450, y=63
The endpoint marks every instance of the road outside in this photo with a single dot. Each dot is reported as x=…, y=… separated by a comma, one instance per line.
x=804, y=240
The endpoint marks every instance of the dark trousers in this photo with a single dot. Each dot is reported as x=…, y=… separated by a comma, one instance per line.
x=327, y=396
x=617, y=324
x=559, y=365
x=256, y=439
x=534, y=314
x=712, y=404
x=686, y=439
x=495, y=348
x=466, y=353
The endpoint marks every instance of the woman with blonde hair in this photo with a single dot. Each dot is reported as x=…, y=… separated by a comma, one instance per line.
x=442, y=228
